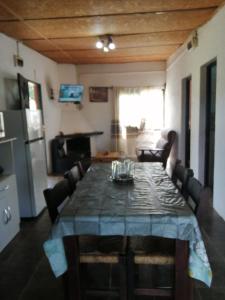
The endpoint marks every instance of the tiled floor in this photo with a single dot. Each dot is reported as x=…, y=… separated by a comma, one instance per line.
x=24, y=272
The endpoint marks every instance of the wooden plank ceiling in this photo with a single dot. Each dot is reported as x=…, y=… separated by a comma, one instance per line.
x=67, y=31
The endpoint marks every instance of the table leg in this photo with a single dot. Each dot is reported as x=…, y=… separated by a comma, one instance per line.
x=123, y=277
x=130, y=276
x=72, y=276
x=183, y=284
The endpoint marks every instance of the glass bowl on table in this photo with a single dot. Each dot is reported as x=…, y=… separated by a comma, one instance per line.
x=123, y=172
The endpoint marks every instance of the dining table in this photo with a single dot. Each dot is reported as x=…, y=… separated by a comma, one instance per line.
x=150, y=205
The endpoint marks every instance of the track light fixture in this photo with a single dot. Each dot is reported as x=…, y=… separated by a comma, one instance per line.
x=111, y=45
x=105, y=49
x=100, y=44
x=106, y=43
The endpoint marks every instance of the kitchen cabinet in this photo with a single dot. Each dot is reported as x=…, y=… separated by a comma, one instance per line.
x=9, y=208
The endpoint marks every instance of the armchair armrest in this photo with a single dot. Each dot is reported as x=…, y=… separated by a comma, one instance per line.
x=146, y=150
x=149, y=154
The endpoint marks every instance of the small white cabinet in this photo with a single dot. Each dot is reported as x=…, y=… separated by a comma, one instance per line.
x=9, y=209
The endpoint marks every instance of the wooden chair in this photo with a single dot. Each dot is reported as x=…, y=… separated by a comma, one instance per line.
x=83, y=250
x=73, y=176
x=160, y=152
x=81, y=168
x=155, y=252
x=56, y=197
x=181, y=176
x=195, y=193
x=61, y=161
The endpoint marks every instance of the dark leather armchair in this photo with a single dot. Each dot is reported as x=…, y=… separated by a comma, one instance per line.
x=61, y=162
x=160, y=152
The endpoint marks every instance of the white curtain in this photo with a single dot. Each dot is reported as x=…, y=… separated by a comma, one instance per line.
x=137, y=110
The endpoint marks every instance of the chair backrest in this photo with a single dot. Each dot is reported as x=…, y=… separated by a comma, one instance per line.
x=194, y=193
x=165, y=143
x=73, y=176
x=61, y=151
x=57, y=148
x=180, y=177
x=81, y=168
x=167, y=139
x=55, y=198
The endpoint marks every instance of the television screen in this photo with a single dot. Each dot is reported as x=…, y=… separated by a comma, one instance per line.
x=71, y=93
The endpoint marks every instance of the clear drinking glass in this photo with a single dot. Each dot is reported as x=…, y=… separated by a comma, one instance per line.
x=115, y=169
x=131, y=169
x=127, y=166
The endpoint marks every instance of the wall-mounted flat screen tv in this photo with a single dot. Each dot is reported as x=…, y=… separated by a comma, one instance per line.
x=71, y=93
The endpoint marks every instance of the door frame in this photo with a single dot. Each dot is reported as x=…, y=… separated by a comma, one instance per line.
x=202, y=118
x=185, y=114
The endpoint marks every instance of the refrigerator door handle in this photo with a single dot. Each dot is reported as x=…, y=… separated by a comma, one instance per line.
x=33, y=141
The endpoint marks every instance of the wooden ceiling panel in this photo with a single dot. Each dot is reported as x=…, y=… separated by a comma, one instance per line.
x=18, y=30
x=41, y=45
x=56, y=55
x=5, y=14
x=125, y=41
x=66, y=31
x=96, y=54
x=43, y=9
x=123, y=52
x=114, y=60
x=94, y=26
x=65, y=44
x=151, y=39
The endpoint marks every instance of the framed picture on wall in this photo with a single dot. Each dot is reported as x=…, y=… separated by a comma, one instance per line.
x=98, y=94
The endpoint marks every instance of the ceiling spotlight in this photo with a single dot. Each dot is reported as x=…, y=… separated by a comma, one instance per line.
x=111, y=45
x=99, y=44
x=105, y=49
x=105, y=43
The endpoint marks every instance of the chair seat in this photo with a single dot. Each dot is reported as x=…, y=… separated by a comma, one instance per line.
x=100, y=249
x=154, y=259
x=96, y=259
x=160, y=254
x=152, y=250
x=90, y=249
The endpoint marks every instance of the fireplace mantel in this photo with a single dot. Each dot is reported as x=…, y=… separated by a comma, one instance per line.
x=66, y=149
x=80, y=134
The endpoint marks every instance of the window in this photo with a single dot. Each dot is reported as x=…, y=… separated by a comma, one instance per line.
x=141, y=108
x=138, y=118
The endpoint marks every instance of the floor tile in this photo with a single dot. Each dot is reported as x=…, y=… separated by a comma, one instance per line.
x=212, y=294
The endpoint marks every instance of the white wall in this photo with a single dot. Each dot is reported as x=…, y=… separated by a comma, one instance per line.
x=184, y=63
x=42, y=70
x=99, y=115
x=71, y=118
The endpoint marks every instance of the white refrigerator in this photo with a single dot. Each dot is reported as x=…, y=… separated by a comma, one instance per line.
x=26, y=124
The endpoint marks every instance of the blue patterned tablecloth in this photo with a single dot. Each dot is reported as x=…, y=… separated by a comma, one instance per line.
x=149, y=206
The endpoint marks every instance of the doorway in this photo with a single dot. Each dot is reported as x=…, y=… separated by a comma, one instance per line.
x=210, y=123
x=186, y=97
x=207, y=123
